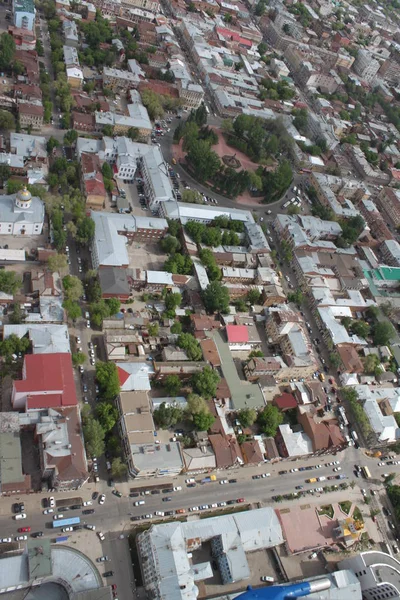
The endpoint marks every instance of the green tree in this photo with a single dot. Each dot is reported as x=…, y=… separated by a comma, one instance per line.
x=94, y=437
x=256, y=354
x=9, y=282
x=4, y=173
x=16, y=316
x=203, y=421
x=153, y=329
x=247, y=416
x=52, y=143
x=204, y=161
x=73, y=309
x=254, y=296
x=107, y=415
x=382, y=332
x=7, y=120
x=195, y=405
x=78, y=358
x=371, y=362
x=108, y=380
x=176, y=327
x=73, y=288
x=108, y=130
x=57, y=262
x=114, y=306
x=85, y=232
x=172, y=385
x=192, y=197
x=335, y=360
x=170, y=244
x=360, y=328
x=70, y=137
x=269, y=420
x=7, y=51
x=118, y=468
x=296, y=297
x=167, y=416
x=216, y=298
x=205, y=382
x=174, y=227
x=133, y=133
x=190, y=345
x=107, y=171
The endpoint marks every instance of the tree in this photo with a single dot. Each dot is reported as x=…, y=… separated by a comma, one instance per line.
x=253, y=296
x=216, y=298
x=52, y=143
x=190, y=345
x=204, y=161
x=70, y=137
x=167, y=416
x=360, y=328
x=73, y=309
x=14, y=345
x=108, y=380
x=335, y=360
x=118, y=468
x=382, y=332
x=9, y=282
x=17, y=316
x=153, y=329
x=371, y=362
x=107, y=171
x=73, y=288
x=114, y=305
x=176, y=327
x=269, y=420
x=247, y=416
x=203, y=421
x=174, y=227
x=107, y=415
x=205, y=382
x=133, y=133
x=7, y=120
x=94, y=437
x=293, y=210
x=108, y=130
x=192, y=197
x=172, y=301
x=296, y=297
x=170, y=244
x=195, y=405
x=256, y=354
x=57, y=262
x=172, y=385
x=7, y=51
x=85, y=232
x=4, y=173
x=78, y=358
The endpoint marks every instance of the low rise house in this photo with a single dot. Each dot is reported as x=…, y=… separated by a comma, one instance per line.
x=30, y=115
x=292, y=443
x=242, y=337
x=227, y=451
x=114, y=283
x=92, y=181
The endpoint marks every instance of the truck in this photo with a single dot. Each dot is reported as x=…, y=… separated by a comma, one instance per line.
x=311, y=480
x=209, y=479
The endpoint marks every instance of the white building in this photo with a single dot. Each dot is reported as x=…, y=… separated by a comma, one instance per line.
x=24, y=14
x=377, y=572
x=167, y=551
x=21, y=214
x=366, y=66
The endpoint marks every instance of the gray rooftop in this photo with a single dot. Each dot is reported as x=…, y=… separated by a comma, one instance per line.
x=46, y=339
x=114, y=281
x=10, y=213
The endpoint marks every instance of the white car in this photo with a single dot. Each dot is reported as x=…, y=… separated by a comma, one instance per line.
x=48, y=511
x=6, y=540
x=221, y=504
x=293, y=470
x=66, y=529
x=336, y=462
x=178, y=488
x=102, y=499
x=223, y=481
x=56, y=517
x=159, y=513
x=101, y=536
x=190, y=480
x=337, y=469
x=139, y=503
x=52, y=502
x=266, y=475
x=91, y=527
x=381, y=464
x=193, y=508
x=20, y=516
x=88, y=503
x=215, y=505
x=21, y=538
x=149, y=516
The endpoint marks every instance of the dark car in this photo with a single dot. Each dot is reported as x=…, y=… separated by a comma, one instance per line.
x=135, y=518
x=256, y=477
x=77, y=527
x=111, y=482
x=386, y=512
x=169, y=513
x=155, y=492
x=37, y=534
x=17, y=507
x=191, y=485
x=232, y=480
x=167, y=491
x=117, y=493
x=63, y=508
x=282, y=472
x=76, y=506
x=88, y=511
x=134, y=495
x=167, y=499
x=94, y=495
x=108, y=574
x=231, y=501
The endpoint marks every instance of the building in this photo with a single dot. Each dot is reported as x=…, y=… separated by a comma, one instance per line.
x=156, y=182
x=366, y=66
x=119, y=80
x=227, y=451
x=114, y=283
x=75, y=77
x=145, y=455
x=391, y=252
x=191, y=94
x=381, y=404
x=377, y=573
x=21, y=214
x=113, y=232
x=168, y=551
x=30, y=114
x=44, y=339
x=242, y=337
x=47, y=382
x=12, y=478
x=24, y=14
x=71, y=35
x=388, y=201
x=92, y=181
x=135, y=376
x=286, y=329
x=59, y=437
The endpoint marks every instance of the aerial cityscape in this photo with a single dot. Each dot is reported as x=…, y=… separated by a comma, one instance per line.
x=199, y=299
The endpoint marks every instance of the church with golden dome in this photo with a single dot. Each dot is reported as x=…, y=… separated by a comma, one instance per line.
x=21, y=214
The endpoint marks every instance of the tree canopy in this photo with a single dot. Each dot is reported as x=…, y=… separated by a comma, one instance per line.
x=216, y=298
x=172, y=385
x=190, y=345
x=9, y=282
x=269, y=420
x=94, y=437
x=205, y=382
x=107, y=415
x=108, y=380
x=167, y=416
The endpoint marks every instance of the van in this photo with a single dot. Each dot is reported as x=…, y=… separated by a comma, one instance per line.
x=87, y=315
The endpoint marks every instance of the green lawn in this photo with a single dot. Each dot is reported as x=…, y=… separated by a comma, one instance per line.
x=326, y=510
x=357, y=515
x=345, y=506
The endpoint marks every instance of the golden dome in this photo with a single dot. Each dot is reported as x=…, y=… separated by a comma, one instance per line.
x=24, y=195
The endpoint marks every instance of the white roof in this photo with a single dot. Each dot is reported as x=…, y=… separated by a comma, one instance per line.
x=138, y=376
x=297, y=443
x=46, y=339
x=75, y=72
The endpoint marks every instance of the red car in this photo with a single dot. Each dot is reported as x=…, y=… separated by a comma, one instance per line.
x=24, y=529
x=114, y=586
x=240, y=500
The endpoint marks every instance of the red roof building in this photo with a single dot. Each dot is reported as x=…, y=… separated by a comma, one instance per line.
x=237, y=334
x=285, y=401
x=47, y=382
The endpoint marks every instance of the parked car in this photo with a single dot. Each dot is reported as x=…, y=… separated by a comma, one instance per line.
x=102, y=499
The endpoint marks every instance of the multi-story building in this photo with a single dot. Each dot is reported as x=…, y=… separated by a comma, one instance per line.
x=145, y=455
x=282, y=370
x=21, y=214
x=117, y=79
x=30, y=114
x=156, y=182
x=388, y=202
x=366, y=66
x=375, y=573
x=286, y=329
x=191, y=94
x=150, y=5
x=391, y=252
x=71, y=35
x=75, y=77
x=24, y=14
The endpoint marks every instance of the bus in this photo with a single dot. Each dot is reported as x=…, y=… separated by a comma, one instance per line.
x=365, y=472
x=66, y=522
x=286, y=204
